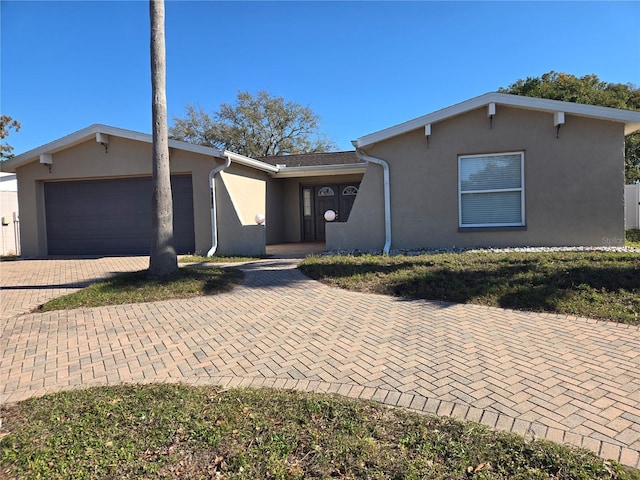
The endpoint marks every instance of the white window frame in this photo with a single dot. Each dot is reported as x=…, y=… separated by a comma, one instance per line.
x=506, y=190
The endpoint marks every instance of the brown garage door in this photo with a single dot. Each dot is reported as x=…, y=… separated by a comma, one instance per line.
x=108, y=217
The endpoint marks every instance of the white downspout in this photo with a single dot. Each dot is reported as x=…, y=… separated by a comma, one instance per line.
x=387, y=195
x=214, y=220
x=212, y=186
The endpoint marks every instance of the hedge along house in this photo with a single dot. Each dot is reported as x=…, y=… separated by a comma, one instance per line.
x=89, y=193
x=496, y=170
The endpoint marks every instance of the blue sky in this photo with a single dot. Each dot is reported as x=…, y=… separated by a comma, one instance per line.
x=362, y=66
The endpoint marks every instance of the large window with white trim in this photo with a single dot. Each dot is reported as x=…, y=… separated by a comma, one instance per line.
x=491, y=190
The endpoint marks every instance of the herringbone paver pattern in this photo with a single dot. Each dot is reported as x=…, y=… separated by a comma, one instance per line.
x=26, y=284
x=569, y=380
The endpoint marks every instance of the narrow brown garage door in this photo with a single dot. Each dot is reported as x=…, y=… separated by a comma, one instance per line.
x=107, y=217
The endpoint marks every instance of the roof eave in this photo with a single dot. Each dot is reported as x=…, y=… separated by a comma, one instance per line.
x=320, y=170
x=61, y=143
x=89, y=132
x=251, y=162
x=630, y=118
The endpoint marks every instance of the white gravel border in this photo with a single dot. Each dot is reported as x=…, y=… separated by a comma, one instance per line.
x=487, y=249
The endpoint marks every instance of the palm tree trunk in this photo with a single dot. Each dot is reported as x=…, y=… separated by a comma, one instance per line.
x=162, y=260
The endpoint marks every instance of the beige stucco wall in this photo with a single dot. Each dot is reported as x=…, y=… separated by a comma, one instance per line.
x=573, y=184
x=240, y=195
x=124, y=158
x=367, y=216
x=248, y=191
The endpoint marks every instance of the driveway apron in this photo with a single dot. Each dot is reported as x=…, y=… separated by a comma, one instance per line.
x=566, y=379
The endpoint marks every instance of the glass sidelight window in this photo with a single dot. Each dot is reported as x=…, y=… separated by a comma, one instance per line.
x=306, y=200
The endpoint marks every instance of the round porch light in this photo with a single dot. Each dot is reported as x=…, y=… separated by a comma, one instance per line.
x=330, y=215
x=259, y=219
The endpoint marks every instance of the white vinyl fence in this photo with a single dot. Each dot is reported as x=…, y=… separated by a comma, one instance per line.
x=632, y=206
x=9, y=228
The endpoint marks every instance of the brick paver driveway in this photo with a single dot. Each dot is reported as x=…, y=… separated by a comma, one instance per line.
x=569, y=380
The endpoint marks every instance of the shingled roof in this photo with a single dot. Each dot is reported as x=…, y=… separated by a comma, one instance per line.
x=313, y=159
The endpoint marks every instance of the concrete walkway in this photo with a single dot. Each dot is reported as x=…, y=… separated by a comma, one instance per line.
x=569, y=380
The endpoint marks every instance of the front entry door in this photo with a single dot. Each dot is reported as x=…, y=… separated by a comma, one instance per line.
x=326, y=199
x=317, y=199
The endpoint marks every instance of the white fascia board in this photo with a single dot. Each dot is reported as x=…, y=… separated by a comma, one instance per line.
x=7, y=166
x=320, y=170
x=250, y=162
x=90, y=133
x=50, y=148
x=148, y=138
x=630, y=118
x=421, y=121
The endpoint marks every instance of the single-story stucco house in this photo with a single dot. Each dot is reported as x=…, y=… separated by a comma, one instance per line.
x=89, y=193
x=495, y=170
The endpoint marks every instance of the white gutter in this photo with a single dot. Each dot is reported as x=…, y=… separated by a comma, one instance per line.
x=214, y=220
x=320, y=170
x=250, y=162
x=387, y=194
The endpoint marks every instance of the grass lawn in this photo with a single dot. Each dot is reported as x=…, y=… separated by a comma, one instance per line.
x=136, y=288
x=633, y=238
x=600, y=285
x=215, y=259
x=180, y=432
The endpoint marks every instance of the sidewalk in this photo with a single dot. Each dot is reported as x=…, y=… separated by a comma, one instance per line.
x=568, y=380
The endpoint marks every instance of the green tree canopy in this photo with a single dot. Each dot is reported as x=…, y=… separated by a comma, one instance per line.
x=591, y=90
x=255, y=126
x=6, y=124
